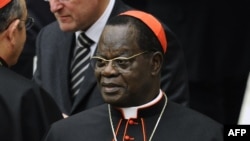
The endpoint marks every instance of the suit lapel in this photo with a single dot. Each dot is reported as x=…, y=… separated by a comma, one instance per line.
x=86, y=88
x=66, y=44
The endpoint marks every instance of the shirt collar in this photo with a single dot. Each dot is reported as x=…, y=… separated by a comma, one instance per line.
x=94, y=31
x=132, y=112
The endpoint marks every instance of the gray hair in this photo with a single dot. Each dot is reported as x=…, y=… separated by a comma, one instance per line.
x=10, y=12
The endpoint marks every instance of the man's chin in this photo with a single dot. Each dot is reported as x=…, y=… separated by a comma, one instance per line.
x=67, y=28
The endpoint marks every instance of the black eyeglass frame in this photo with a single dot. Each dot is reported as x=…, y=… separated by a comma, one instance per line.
x=29, y=22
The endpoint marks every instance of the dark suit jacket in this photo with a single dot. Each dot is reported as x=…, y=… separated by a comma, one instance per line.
x=54, y=56
x=26, y=111
x=177, y=124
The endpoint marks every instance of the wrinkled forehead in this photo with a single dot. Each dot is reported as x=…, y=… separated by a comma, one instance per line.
x=118, y=40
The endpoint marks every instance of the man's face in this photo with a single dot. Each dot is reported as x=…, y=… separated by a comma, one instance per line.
x=74, y=15
x=123, y=83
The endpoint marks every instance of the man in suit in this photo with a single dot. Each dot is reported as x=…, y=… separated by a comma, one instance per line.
x=56, y=45
x=128, y=69
x=26, y=110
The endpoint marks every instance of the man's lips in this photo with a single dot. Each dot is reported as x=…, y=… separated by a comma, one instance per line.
x=110, y=87
x=63, y=18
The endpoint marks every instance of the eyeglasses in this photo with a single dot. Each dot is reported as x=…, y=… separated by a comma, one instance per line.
x=120, y=63
x=28, y=22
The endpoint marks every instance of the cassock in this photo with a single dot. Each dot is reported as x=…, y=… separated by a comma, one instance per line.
x=158, y=120
x=26, y=111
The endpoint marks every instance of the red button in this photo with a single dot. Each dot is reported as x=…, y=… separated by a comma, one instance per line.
x=128, y=138
x=131, y=122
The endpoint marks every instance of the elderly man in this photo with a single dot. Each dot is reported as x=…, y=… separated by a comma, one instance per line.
x=127, y=66
x=26, y=111
x=63, y=58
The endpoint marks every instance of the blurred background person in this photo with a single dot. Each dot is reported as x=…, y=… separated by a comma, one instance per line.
x=28, y=109
x=40, y=11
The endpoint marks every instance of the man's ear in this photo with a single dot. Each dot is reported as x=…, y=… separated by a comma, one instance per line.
x=157, y=61
x=12, y=31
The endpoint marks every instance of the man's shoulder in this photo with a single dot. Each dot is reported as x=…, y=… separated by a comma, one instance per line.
x=14, y=79
x=52, y=27
x=17, y=88
x=96, y=114
x=191, y=121
x=187, y=114
x=53, y=33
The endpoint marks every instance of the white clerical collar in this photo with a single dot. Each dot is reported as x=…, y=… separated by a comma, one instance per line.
x=131, y=112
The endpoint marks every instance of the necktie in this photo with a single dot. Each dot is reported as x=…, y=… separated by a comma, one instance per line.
x=80, y=63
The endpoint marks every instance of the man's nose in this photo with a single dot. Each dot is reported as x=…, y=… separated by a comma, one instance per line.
x=55, y=5
x=109, y=68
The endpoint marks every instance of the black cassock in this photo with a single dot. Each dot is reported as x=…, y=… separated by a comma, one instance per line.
x=177, y=123
x=26, y=111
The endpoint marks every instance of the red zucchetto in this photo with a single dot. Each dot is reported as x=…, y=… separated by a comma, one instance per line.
x=152, y=23
x=4, y=3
